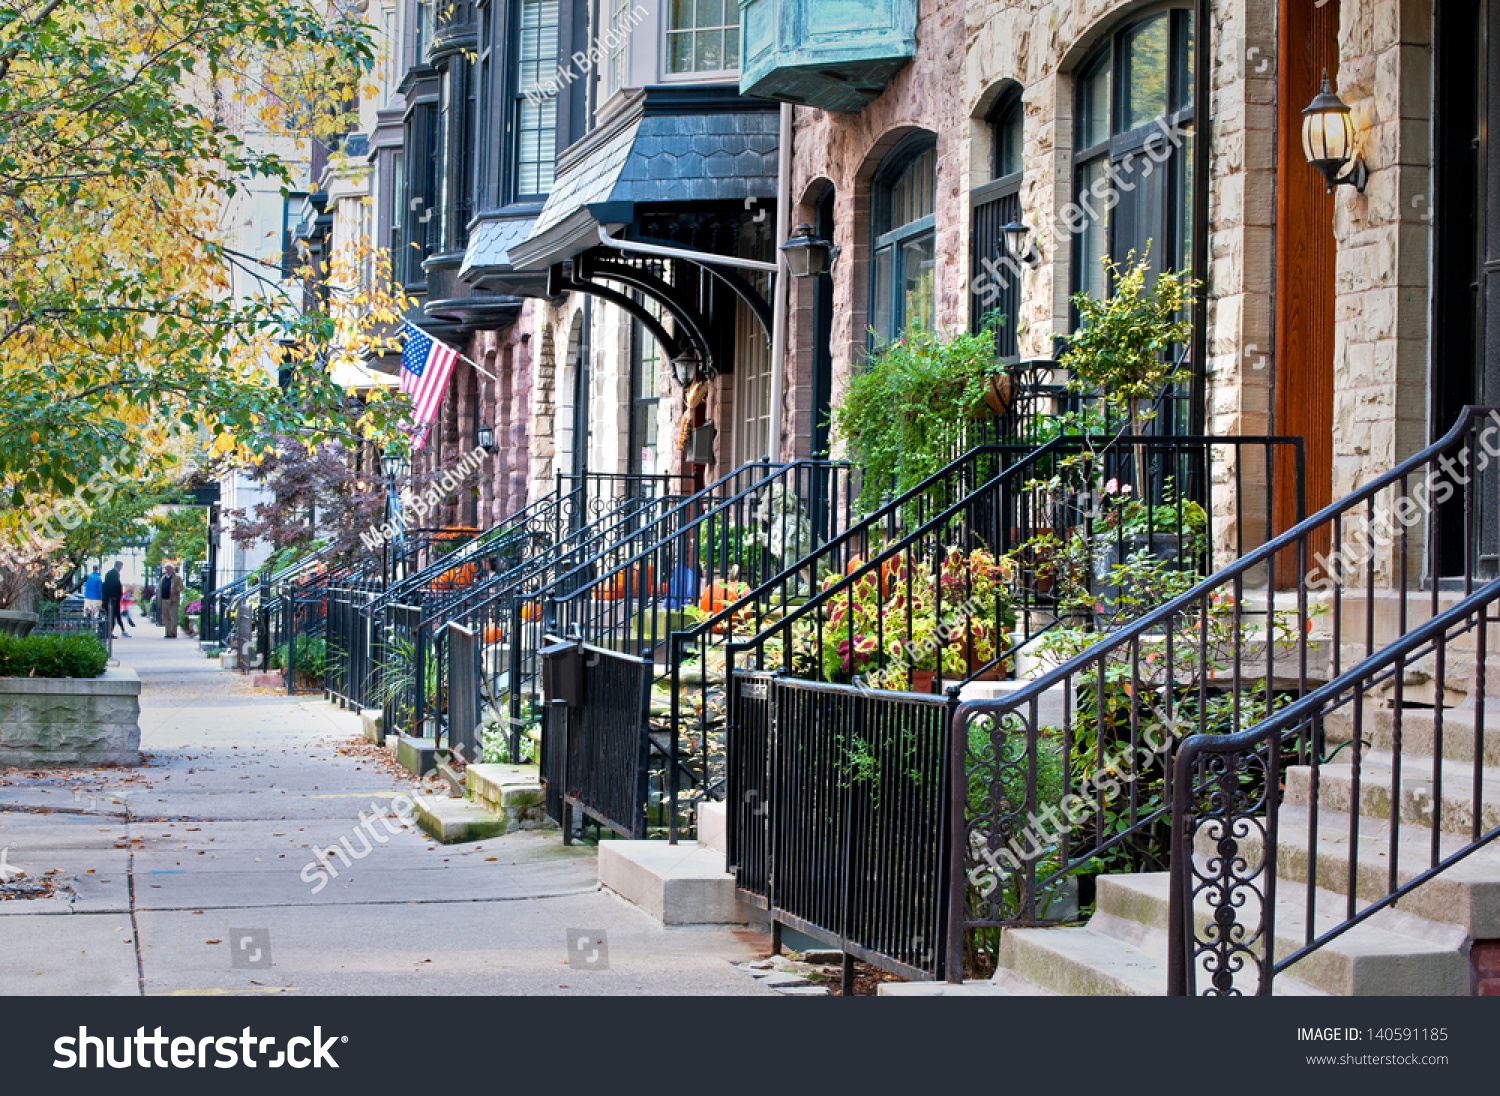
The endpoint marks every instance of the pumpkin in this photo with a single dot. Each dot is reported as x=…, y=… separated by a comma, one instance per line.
x=456, y=578
x=626, y=583
x=493, y=633
x=718, y=596
x=531, y=611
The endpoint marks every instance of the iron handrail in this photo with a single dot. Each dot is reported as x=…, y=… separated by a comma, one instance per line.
x=1153, y=623
x=653, y=536
x=1286, y=725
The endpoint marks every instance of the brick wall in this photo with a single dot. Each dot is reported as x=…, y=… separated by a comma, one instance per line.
x=1484, y=961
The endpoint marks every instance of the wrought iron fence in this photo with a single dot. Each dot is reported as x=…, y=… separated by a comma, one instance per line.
x=661, y=580
x=595, y=746
x=1265, y=815
x=838, y=821
x=1212, y=717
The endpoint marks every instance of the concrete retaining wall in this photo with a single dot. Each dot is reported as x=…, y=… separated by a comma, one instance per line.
x=71, y=721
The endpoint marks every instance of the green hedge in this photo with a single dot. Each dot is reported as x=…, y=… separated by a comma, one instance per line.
x=52, y=656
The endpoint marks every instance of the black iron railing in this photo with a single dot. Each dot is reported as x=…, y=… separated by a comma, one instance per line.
x=1024, y=561
x=657, y=583
x=838, y=809
x=1072, y=774
x=1261, y=789
x=594, y=756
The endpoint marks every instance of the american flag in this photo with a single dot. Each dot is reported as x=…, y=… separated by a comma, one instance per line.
x=426, y=365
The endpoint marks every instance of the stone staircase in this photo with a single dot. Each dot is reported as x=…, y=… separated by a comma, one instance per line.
x=1419, y=948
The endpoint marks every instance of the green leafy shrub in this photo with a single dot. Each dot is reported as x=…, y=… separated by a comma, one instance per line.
x=52, y=656
x=311, y=656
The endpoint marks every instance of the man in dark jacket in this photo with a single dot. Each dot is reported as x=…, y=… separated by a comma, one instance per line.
x=114, y=590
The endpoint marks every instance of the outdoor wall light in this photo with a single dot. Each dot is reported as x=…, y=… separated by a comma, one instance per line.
x=1013, y=238
x=806, y=255
x=394, y=466
x=685, y=368
x=485, y=437
x=1328, y=140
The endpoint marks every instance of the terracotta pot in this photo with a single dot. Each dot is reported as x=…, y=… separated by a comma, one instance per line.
x=921, y=680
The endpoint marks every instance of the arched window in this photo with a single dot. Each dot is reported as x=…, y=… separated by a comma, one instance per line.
x=1133, y=145
x=995, y=277
x=1132, y=149
x=903, y=288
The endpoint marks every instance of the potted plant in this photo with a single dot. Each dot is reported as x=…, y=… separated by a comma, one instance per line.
x=909, y=412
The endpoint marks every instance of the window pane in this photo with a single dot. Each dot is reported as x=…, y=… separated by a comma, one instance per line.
x=912, y=196
x=1145, y=75
x=880, y=317
x=1091, y=241
x=1093, y=105
x=1185, y=61
x=1008, y=136
x=680, y=52
x=682, y=14
x=710, y=13
x=732, y=48
x=918, y=282
x=709, y=51
x=536, y=114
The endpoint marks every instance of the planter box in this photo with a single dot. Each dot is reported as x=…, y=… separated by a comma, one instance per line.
x=70, y=721
x=13, y=623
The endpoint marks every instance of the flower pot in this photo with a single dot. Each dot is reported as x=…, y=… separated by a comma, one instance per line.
x=921, y=680
x=999, y=396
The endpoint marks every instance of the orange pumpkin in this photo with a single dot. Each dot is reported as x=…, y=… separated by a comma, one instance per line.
x=456, y=578
x=626, y=583
x=531, y=611
x=718, y=596
x=493, y=633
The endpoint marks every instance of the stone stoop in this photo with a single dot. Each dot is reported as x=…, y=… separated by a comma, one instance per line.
x=713, y=826
x=417, y=756
x=372, y=722
x=1420, y=948
x=675, y=884
x=512, y=792
x=456, y=821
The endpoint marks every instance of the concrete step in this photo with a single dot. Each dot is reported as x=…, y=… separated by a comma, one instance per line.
x=456, y=821
x=683, y=884
x=1377, y=778
x=417, y=756
x=1466, y=895
x=514, y=792
x=1392, y=954
x=1004, y=984
x=1111, y=956
x=372, y=722
x=713, y=826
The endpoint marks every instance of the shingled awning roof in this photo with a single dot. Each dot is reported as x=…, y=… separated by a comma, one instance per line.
x=668, y=145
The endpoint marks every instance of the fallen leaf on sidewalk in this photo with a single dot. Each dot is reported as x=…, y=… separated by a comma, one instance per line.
x=213, y=941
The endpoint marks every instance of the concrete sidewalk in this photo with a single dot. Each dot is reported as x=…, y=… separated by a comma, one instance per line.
x=161, y=873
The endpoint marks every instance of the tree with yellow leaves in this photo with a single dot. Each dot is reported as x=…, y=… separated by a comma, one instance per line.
x=118, y=144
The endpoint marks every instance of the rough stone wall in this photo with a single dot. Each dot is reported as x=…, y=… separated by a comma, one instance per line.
x=1384, y=245
x=845, y=150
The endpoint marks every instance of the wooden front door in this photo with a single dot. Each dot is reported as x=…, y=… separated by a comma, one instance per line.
x=1303, y=402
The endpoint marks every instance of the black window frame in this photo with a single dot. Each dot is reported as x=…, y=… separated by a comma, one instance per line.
x=996, y=203
x=886, y=236
x=1119, y=144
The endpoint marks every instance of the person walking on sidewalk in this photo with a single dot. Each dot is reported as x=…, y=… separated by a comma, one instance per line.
x=93, y=594
x=114, y=590
x=169, y=599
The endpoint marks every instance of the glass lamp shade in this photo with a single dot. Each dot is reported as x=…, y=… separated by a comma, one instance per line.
x=485, y=437
x=806, y=255
x=685, y=369
x=1327, y=133
x=1013, y=238
x=393, y=466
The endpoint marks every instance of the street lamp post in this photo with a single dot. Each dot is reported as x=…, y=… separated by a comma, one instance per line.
x=395, y=466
